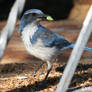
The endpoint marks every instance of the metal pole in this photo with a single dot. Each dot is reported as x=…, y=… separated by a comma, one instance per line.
x=8, y=30
x=76, y=53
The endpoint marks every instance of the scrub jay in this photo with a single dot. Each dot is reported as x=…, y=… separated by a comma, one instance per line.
x=40, y=41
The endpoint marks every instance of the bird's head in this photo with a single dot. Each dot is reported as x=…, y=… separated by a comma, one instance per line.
x=33, y=15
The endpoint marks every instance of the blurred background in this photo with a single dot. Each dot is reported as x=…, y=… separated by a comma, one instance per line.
x=58, y=9
x=52, y=7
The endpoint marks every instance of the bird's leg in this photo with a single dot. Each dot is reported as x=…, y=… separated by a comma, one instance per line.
x=33, y=74
x=49, y=69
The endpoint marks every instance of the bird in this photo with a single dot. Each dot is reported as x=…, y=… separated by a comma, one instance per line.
x=41, y=42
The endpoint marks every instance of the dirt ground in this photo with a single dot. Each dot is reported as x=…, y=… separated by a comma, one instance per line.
x=24, y=64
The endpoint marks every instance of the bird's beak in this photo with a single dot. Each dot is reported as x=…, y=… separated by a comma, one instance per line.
x=49, y=18
x=45, y=17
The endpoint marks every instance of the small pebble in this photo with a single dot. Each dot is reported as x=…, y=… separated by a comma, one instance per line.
x=22, y=77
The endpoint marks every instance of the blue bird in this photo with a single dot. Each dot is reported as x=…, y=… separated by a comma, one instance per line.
x=40, y=41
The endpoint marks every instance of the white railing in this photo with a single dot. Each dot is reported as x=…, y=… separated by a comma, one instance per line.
x=76, y=54
x=8, y=30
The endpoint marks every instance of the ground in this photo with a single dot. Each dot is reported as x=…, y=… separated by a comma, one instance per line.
x=17, y=63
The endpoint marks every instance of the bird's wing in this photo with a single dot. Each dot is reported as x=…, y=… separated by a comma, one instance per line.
x=51, y=39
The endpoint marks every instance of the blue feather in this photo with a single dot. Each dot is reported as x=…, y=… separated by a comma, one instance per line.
x=89, y=49
x=22, y=23
x=33, y=11
x=49, y=38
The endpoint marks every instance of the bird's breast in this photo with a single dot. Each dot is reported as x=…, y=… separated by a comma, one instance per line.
x=38, y=49
x=28, y=33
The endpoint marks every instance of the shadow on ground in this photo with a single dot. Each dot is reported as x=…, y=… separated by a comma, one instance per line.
x=37, y=86
x=82, y=74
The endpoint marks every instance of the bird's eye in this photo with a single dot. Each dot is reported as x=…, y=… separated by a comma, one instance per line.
x=27, y=15
x=33, y=14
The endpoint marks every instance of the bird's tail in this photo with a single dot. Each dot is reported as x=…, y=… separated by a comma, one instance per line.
x=87, y=48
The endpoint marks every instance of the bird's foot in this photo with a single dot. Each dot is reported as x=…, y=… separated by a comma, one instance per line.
x=34, y=73
x=43, y=83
